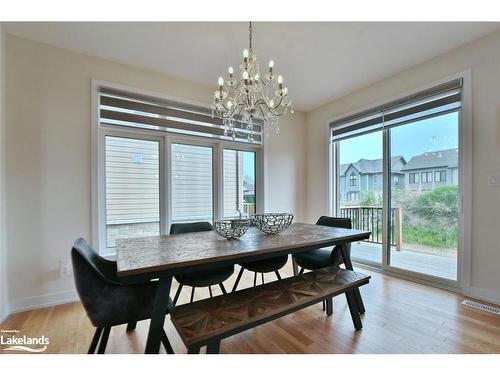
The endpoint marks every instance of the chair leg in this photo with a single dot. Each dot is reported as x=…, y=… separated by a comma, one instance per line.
x=131, y=326
x=104, y=340
x=255, y=280
x=277, y=275
x=324, y=304
x=353, y=308
x=238, y=279
x=192, y=350
x=210, y=291
x=166, y=343
x=177, y=294
x=329, y=306
x=192, y=295
x=222, y=288
x=301, y=271
x=95, y=340
x=262, y=276
x=213, y=347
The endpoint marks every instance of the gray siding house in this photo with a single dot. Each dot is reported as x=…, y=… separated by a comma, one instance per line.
x=432, y=169
x=366, y=175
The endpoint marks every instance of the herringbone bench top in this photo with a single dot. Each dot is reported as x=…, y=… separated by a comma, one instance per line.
x=201, y=322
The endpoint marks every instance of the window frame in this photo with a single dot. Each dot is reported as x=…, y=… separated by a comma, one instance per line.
x=462, y=284
x=416, y=177
x=257, y=199
x=440, y=174
x=428, y=177
x=353, y=179
x=166, y=139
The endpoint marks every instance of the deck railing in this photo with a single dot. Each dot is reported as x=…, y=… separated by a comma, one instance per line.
x=249, y=209
x=369, y=218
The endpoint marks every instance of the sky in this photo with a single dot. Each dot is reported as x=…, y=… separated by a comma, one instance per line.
x=248, y=165
x=434, y=134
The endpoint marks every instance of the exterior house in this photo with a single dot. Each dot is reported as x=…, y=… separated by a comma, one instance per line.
x=432, y=169
x=366, y=175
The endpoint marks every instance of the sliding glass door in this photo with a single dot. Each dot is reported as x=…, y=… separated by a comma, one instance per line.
x=424, y=202
x=397, y=174
x=360, y=186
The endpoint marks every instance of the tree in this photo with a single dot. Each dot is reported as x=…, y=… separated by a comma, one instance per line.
x=439, y=204
x=369, y=198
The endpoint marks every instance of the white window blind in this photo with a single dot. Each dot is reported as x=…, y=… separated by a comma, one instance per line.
x=128, y=109
x=437, y=101
x=132, y=188
x=192, y=196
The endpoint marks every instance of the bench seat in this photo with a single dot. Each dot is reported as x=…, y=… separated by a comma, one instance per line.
x=208, y=321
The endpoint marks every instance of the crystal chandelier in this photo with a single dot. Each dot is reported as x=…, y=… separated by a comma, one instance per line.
x=251, y=97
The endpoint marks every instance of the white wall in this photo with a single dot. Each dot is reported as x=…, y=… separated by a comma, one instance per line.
x=483, y=59
x=48, y=159
x=286, y=168
x=3, y=266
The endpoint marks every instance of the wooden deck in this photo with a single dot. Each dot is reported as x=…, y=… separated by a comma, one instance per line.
x=434, y=265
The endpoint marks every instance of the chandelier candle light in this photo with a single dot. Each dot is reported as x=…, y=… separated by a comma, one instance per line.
x=251, y=97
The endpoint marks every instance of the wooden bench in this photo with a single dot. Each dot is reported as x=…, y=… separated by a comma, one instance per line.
x=206, y=322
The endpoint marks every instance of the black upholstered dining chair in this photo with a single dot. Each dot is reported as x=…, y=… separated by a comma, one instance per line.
x=262, y=266
x=107, y=300
x=324, y=257
x=200, y=279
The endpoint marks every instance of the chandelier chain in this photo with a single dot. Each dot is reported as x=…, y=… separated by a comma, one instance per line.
x=250, y=35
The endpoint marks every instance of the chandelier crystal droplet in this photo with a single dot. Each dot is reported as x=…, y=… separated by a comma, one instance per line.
x=250, y=98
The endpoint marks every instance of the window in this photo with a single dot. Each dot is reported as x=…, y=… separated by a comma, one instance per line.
x=353, y=179
x=411, y=138
x=191, y=174
x=352, y=197
x=440, y=176
x=414, y=178
x=160, y=162
x=239, y=183
x=132, y=188
x=426, y=177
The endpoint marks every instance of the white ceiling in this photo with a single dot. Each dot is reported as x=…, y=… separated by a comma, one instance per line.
x=319, y=61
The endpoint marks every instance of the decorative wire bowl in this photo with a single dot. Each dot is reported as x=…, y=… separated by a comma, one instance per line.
x=272, y=223
x=231, y=229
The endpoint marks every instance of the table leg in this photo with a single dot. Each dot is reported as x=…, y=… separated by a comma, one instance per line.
x=353, y=308
x=158, y=315
x=295, y=267
x=348, y=265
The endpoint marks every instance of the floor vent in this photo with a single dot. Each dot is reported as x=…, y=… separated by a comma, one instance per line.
x=480, y=306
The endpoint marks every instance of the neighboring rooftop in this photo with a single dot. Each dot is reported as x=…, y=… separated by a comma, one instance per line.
x=436, y=159
x=372, y=166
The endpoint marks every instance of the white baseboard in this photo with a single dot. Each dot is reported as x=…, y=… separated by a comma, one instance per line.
x=36, y=302
x=488, y=295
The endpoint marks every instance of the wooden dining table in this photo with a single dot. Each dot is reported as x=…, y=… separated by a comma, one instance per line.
x=162, y=257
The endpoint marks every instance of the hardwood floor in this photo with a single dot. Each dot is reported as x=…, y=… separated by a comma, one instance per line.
x=401, y=317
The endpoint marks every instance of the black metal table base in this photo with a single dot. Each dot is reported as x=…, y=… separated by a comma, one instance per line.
x=158, y=316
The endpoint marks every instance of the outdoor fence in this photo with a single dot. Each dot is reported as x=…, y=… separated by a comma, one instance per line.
x=249, y=209
x=369, y=218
